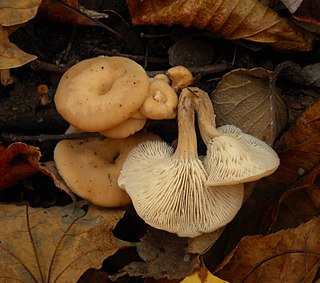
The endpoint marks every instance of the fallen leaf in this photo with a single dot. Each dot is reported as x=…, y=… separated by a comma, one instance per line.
x=164, y=255
x=292, y=5
x=248, y=100
x=308, y=75
x=49, y=168
x=17, y=162
x=233, y=19
x=202, y=275
x=14, y=12
x=309, y=12
x=305, y=197
x=291, y=255
x=56, y=244
x=10, y=55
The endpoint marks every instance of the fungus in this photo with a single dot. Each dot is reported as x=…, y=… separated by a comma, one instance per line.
x=168, y=188
x=90, y=167
x=125, y=129
x=99, y=93
x=161, y=102
x=232, y=156
x=180, y=77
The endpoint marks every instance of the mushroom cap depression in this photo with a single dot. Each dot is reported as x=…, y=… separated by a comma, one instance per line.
x=232, y=156
x=90, y=167
x=99, y=93
x=168, y=188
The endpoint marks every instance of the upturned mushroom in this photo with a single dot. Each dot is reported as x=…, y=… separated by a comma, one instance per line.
x=99, y=93
x=168, y=188
x=90, y=167
x=232, y=156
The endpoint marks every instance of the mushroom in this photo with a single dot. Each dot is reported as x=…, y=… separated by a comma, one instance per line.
x=168, y=188
x=232, y=156
x=125, y=129
x=161, y=102
x=180, y=77
x=99, y=93
x=90, y=167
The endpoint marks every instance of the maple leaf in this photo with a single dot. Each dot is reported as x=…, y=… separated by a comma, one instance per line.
x=56, y=244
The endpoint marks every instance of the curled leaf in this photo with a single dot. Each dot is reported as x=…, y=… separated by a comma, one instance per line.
x=232, y=19
x=17, y=162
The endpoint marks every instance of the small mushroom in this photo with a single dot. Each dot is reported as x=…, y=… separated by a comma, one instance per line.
x=90, y=167
x=168, y=188
x=232, y=156
x=99, y=93
x=180, y=77
x=161, y=102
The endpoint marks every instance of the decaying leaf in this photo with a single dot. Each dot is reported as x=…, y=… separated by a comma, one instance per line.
x=164, y=255
x=10, y=55
x=17, y=162
x=56, y=244
x=232, y=19
x=291, y=255
x=300, y=204
x=248, y=100
x=14, y=12
x=309, y=12
x=202, y=275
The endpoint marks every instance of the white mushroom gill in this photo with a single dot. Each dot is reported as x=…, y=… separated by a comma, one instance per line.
x=232, y=156
x=168, y=188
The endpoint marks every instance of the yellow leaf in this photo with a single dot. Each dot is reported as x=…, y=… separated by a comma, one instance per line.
x=10, y=55
x=14, y=12
x=202, y=275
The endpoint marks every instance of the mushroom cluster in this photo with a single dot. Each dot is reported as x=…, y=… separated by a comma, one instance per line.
x=174, y=190
x=115, y=96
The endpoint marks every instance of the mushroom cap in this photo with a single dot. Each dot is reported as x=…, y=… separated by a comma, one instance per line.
x=125, y=129
x=170, y=193
x=90, y=167
x=100, y=93
x=235, y=157
x=161, y=102
x=180, y=77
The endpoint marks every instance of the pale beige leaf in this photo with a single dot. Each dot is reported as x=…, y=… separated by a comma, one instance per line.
x=10, y=55
x=247, y=99
x=291, y=255
x=56, y=244
x=14, y=12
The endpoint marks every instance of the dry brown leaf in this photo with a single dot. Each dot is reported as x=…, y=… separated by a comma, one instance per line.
x=232, y=19
x=309, y=12
x=17, y=162
x=14, y=12
x=10, y=55
x=164, y=255
x=248, y=100
x=56, y=244
x=291, y=255
x=300, y=204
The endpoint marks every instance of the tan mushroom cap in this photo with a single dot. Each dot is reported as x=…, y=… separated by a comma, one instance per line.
x=168, y=188
x=161, y=102
x=232, y=156
x=90, y=167
x=125, y=129
x=180, y=77
x=100, y=93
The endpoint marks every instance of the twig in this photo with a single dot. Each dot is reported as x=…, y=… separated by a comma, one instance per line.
x=40, y=66
x=41, y=138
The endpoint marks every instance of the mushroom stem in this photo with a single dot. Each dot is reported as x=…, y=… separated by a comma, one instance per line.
x=187, y=139
x=206, y=115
